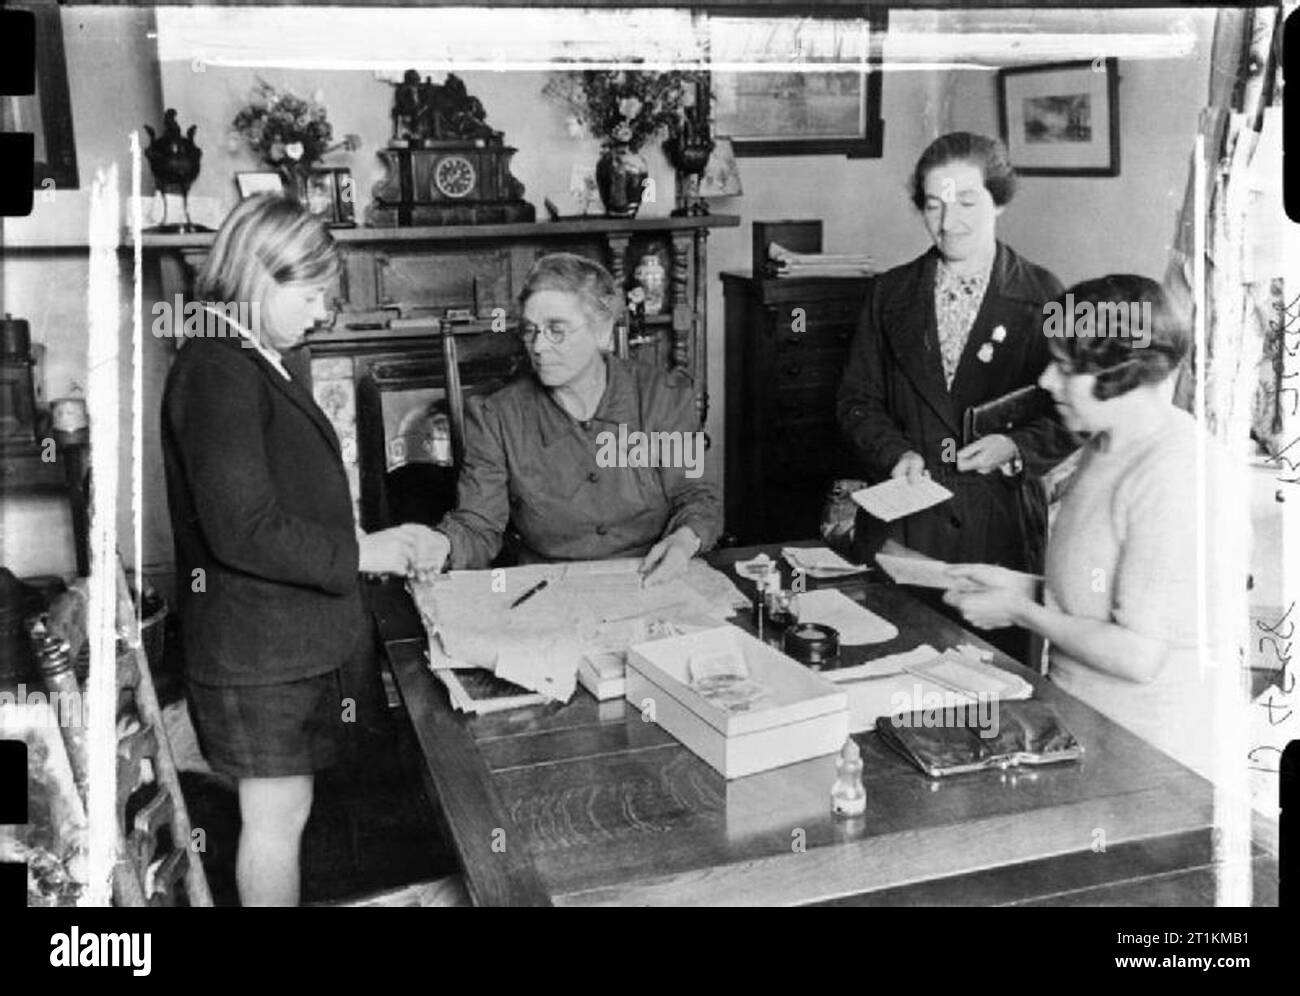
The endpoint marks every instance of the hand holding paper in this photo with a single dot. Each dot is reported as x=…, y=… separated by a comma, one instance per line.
x=900, y=496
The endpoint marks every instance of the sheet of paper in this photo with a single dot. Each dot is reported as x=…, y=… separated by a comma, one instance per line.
x=855, y=624
x=916, y=570
x=882, y=667
x=896, y=498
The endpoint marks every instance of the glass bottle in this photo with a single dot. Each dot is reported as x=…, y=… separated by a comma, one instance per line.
x=848, y=797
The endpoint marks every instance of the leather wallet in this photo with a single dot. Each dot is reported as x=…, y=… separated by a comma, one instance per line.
x=993, y=735
x=1005, y=413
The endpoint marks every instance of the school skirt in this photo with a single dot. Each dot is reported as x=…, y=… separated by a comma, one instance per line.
x=268, y=731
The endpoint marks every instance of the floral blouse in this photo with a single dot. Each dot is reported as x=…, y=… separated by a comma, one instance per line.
x=957, y=301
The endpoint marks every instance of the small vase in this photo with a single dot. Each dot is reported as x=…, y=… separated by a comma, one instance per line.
x=653, y=278
x=620, y=178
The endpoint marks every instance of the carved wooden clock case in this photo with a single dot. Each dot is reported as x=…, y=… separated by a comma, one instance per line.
x=449, y=182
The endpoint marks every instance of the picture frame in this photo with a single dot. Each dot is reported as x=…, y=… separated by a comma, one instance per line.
x=47, y=113
x=330, y=195
x=804, y=112
x=1061, y=118
x=259, y=182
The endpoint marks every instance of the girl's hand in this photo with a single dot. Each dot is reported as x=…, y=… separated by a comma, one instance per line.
x=385, y=552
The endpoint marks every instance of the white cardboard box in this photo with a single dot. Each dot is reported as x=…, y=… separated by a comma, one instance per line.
x=803, y=716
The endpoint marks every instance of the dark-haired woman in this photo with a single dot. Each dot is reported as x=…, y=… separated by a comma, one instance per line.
x=957, y=327
x=1122, y=604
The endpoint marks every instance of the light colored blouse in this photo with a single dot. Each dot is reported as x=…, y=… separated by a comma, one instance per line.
x=957, y=301
x=1123, y=549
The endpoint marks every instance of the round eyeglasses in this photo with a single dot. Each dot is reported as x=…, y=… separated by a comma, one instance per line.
x=553, y=332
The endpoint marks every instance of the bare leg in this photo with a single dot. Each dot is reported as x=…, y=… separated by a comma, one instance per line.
x=274, y=812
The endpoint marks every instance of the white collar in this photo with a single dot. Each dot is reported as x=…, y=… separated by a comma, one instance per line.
x=268, y=354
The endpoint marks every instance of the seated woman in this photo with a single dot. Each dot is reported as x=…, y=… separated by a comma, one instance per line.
x=1121, y=584
x=542, y=454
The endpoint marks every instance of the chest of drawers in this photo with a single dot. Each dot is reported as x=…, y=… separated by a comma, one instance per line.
x=787, y=342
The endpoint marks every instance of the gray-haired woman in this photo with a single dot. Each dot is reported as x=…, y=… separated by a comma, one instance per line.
x=556, y=455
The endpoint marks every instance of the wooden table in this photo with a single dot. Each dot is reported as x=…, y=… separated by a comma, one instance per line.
x=584, y=803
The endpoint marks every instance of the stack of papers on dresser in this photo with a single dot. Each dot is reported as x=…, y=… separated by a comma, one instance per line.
x=788, y=263
x=588, y=611
x=922, y=679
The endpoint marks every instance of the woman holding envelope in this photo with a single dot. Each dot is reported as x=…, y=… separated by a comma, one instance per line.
x=955, y=329
x=1119, y=602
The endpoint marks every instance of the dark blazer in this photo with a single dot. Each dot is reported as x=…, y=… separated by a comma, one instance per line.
x=893, y=399
x=260, y=504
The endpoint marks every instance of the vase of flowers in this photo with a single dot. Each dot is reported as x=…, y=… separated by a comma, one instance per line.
x=623, y=109
x=291, y=134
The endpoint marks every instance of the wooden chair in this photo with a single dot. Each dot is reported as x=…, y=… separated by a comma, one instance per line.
x=459, y=352
x=156, y=864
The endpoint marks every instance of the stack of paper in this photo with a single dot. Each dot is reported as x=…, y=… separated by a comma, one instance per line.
x=787, y=263
x=819, y=562
x=923, y=679
x=478, y=691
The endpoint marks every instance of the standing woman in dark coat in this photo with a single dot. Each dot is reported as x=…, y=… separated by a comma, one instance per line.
x=267, y=551
x=957, y=327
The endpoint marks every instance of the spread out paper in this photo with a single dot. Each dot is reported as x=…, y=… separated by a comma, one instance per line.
x=595, y=607
x=916, y=570
x=833, y=608
x=896, y=498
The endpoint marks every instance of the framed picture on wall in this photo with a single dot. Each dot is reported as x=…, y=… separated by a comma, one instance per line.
x=1062, y=118
x=331, y=197
x=824, y=98
x=259, y=182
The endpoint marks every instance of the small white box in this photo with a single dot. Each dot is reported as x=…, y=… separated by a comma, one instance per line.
x=802, y=715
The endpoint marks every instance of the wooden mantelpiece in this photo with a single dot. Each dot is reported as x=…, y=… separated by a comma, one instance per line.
x=421, y=272
x=449, y=233
x=424, y=270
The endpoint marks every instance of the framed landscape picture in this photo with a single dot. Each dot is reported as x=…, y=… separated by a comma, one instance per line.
x=804, y=87
x=1061, y=119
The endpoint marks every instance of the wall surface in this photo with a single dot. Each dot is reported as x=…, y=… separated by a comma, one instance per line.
x=113, y=88
x=1076, y=227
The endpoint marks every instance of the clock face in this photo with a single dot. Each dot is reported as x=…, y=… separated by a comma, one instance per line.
x=454, y=176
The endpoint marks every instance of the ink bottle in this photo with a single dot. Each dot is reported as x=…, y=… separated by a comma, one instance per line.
x=848, y=797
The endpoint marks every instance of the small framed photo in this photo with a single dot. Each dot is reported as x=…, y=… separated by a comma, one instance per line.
x=1061, y=118
x=331, y=196
x=259, y=182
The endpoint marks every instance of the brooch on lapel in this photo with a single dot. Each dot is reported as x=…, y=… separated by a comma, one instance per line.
x=985, y=354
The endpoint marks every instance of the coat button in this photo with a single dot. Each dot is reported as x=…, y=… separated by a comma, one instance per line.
x=593, y=477
x=955, y=522
x=601, y=530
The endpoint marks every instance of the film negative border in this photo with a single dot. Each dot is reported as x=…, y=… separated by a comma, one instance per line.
x=17, y=79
